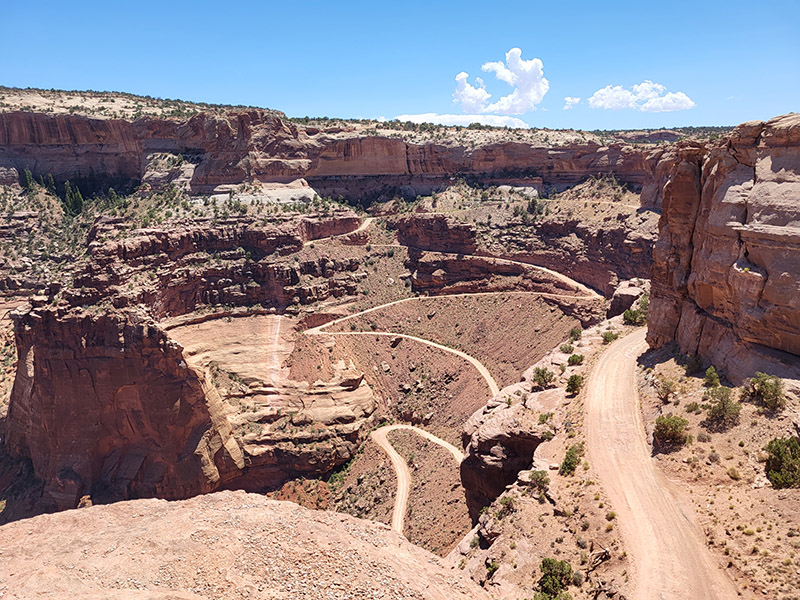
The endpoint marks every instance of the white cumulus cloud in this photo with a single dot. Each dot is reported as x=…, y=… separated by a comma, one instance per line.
x=492, y=120
x=472, y=98
x=668, y=102
x=646, y=96
x=570, y=101
x=526, y=77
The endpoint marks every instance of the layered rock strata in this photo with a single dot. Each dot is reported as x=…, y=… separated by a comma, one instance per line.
x=726, y=275
x=258, y=145
x=234, y=262
x=599, y=257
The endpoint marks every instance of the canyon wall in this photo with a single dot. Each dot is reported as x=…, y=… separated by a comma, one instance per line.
x=106, y=402
x=726, y=273
x=240, y=261
x=105, y=405
x=261, y=145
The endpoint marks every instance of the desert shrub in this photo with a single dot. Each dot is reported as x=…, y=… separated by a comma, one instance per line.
x=666, y=389
x=506, y=507
x=633, y=316
x=540, y=481
x=703, y=437
x=575, y=359
x=491, y=569
x=693, y=407
x=578, y=579
x=556, y=576
x=723, y=411
x=566, y=348
x=574, y=384
x=783, y=462
x=644, y=304
x=609, y=336
x=670, y=430
x=571, y=460
x=543, y=378
x=575, y=334
x=766, y=390
x=711, y=378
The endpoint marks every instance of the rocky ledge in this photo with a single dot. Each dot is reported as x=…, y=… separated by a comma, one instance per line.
x=223, y=545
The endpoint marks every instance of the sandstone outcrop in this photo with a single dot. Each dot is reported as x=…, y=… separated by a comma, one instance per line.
x=438, y=232
x=112, y=407
x=499, y=442
x=235, y=262
x=223, y=545
x=598, y=256
x=106, y=405
x=440, y=273
x=725, y=276
x=626, y=294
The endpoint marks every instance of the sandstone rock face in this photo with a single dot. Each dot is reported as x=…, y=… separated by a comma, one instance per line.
x=106, y=405
x=223, y=545
x=226, y=150
x=725, y=275
x=112, y=407
x=440, y=273
x=499, y=442
x=437, y=232
x=237, y=262
x=16, y=275
x=598, y=256
x=8, y=176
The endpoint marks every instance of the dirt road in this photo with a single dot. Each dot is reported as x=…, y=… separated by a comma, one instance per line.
x=402, y=470
x=657, y=523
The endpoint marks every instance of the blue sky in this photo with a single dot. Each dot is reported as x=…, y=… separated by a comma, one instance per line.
x=731, y=61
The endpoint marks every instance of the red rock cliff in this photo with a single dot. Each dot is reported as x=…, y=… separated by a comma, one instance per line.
x=726, y=273
x=106, y=405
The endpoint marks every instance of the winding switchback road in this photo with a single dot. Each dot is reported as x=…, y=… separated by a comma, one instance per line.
x=401, y=467
x=658, y=525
